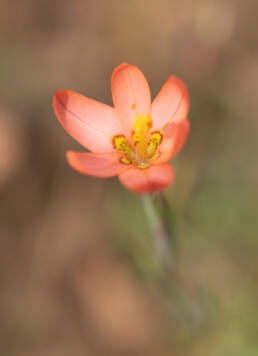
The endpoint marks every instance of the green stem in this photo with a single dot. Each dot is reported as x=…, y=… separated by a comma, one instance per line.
x=158, y=214
x=168, y=281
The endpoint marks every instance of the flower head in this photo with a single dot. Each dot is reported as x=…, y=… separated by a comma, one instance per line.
x=133, y=140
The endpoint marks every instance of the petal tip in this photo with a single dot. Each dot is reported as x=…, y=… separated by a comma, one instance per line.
x=182, y=86
x=60, y=97
x=72, y=158
x=119, y=68
x=69, y=154
x=59, y=94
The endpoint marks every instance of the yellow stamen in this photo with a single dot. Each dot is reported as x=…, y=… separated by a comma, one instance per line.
x=125, y=160
x=141, y=125
x=121, y=144
x=154, y=142
x=145, y=146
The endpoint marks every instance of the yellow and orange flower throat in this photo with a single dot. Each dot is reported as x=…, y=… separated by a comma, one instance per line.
x=145, y=145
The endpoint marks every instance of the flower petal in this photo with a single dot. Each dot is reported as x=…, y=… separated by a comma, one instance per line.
x=151, y=179
x=171, y=103
x=171, y=146
x=90, y=122
x=98, y=165
x=131, y=94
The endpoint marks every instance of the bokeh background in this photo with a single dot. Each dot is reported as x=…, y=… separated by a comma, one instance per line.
x=69, y=285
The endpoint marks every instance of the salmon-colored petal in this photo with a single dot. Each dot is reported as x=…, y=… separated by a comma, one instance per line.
x=171, y=104
x=94, y=164
x=90, y=122
x=151, y=179
x=171, y=146
x=131, y=94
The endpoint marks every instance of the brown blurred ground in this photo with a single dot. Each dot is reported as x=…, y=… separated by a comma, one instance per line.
x=66, y=287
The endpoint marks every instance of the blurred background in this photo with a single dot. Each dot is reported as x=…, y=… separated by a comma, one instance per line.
x=70, y=281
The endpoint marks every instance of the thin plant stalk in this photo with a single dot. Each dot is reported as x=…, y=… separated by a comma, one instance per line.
x=159, y=218
x=169, y=283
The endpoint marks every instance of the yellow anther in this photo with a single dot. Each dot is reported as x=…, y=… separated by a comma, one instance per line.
x=125, y=160
x=145, y=146
x=154, y=142
x=121, y=144
x=141, y=125
x=155, y=156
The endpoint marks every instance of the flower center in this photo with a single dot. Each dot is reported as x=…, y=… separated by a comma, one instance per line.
x=145, y=145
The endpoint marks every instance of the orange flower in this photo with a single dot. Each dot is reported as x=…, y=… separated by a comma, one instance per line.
x=133, y=140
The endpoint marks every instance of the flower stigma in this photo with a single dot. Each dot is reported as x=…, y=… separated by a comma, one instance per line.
x=145, y=146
